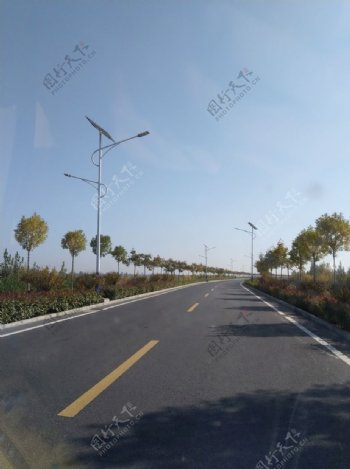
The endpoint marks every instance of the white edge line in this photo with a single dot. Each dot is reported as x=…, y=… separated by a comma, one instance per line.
x=318, y=339
x=47, y=323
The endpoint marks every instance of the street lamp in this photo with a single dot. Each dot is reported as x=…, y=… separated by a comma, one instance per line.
x=206, y=249
x=100, y=151
x=253, y=227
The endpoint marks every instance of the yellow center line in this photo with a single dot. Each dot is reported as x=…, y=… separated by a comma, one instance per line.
x=191, y=308
x=207, y=294
x=79, y=404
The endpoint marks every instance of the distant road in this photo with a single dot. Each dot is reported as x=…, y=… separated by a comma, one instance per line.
x=208, y=376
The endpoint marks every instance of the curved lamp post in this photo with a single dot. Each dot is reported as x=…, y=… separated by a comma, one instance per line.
x=253, y=227
x=101, y=151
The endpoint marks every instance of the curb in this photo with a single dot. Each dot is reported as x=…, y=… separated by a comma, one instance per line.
x=305, y=314
x=106, y=301
x=23, y=322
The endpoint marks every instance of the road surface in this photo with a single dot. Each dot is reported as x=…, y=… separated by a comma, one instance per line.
x=208, y=376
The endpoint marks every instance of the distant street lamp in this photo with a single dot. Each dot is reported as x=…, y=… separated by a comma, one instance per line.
x=231, y=264
x=101, y=153
x=206, y=249
x=253, y=227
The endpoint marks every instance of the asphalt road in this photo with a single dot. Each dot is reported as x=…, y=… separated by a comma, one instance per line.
x=208, y=376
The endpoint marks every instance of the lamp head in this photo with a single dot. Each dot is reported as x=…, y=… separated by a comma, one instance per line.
x=143, y=134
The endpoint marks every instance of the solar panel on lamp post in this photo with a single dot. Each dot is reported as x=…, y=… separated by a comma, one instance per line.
x=100, y=151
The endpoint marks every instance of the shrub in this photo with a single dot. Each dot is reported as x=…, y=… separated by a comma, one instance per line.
x=44, y=279
x=341, y=292
x=331, y=305
x=110, y=292
x=88, y=281
x=111, y=278
x=15, y=307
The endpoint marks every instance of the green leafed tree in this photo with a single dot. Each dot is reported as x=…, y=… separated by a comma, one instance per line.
x=75, y=242
x=120, y=254
x=262, y=265
x=335, y=234
x=315, y=246
x=158, y=262
x=300, y=253
x=281, y=253
x=30, y=233
x=135, y=259
x=271, y=259
x=105, y=245
x=146, y=261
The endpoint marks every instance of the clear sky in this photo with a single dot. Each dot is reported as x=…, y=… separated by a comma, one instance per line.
x=279, y=157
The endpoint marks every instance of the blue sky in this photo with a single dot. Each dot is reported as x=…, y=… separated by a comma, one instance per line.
x=278, y=158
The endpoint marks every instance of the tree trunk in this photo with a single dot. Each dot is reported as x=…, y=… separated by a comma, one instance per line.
x=118, y=266
x=28, y=255
x=72, y=273
x=314, y=269
x=334, y=267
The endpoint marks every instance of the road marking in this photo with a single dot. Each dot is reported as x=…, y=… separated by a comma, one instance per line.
x=191, y=308
x=47, y=324
x=318, y=339
x=79, y=404
x=206, y=295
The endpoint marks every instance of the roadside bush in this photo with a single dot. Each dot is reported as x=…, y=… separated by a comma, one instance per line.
x=88, y=282
x=12, y=283
x=110, y=292
x=329, y=304
x=111, y=278
x=16, y=307
x=44, y=279
x=341, y=292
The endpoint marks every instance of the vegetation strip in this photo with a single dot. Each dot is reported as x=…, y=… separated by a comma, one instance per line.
x=329, y=303
x=85, y=399
x=117, y=303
